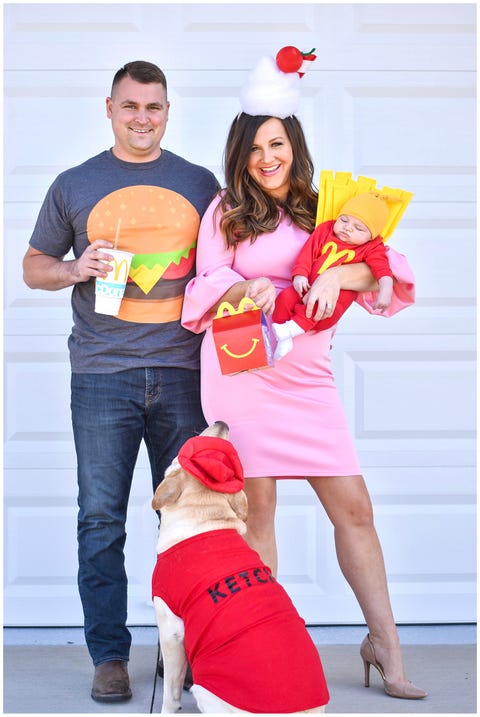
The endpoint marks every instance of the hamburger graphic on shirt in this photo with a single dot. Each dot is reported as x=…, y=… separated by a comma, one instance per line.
x=160, y=227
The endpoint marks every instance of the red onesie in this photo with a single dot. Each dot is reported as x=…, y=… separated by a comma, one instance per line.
x=321, y=251
x=244, y=639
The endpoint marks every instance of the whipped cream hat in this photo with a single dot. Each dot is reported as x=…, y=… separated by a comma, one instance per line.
x=273, y=86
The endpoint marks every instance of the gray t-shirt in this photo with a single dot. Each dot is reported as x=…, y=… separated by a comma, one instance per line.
x=160, y=205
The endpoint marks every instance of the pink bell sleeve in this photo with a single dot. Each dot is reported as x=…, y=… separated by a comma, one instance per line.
x=214, y=274
x=403, y=286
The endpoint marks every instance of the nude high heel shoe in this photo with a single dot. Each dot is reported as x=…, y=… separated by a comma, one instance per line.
x=403, y=690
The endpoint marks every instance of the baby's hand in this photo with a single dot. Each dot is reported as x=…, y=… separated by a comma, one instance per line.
x=380, y=305
x=300, y=284
x=384, y=295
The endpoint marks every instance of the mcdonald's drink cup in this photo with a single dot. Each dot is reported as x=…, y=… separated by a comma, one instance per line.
x=109, y=291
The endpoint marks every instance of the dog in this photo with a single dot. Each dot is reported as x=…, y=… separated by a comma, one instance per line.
x=217, y=605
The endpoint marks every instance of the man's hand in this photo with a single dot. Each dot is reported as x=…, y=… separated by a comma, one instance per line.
x=51, y=273
x=93, y=262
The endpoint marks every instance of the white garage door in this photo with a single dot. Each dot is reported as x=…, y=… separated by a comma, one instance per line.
x=391, y=96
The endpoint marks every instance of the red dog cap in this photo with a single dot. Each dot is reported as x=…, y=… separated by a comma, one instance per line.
x=214, y=461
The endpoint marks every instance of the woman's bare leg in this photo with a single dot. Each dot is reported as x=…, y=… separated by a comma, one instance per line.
x=347, y=504
x=262, y=503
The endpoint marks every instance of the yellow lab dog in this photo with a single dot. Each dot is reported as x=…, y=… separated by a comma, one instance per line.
x=217, y=604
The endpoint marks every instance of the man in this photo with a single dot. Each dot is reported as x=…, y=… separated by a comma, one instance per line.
x=135, y=376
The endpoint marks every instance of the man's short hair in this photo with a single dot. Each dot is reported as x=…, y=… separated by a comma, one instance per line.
x=140, y=71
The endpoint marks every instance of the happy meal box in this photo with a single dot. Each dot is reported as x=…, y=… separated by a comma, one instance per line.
x=241, y=338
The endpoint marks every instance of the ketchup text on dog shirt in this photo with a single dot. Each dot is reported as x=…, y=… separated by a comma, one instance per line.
x=240, y=581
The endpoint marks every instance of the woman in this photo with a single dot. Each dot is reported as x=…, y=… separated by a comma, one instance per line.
x=248, y=241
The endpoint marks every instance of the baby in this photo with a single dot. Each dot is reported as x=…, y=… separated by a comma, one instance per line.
x=355, y=236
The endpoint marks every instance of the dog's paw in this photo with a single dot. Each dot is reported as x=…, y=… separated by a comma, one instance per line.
x=171, y=707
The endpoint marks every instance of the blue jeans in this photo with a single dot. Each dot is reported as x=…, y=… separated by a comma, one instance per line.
x=111, y=415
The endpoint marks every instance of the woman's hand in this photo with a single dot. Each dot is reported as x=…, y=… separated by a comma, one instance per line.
x=263, y=293
x=323, y=295
x=325, y=289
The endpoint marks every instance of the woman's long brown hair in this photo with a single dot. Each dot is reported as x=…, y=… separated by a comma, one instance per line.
x=247, y=210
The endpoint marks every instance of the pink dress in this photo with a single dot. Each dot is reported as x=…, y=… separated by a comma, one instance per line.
x=286, y=421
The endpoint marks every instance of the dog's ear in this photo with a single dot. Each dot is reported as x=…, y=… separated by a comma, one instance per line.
x=169, y=490
x=238, y=503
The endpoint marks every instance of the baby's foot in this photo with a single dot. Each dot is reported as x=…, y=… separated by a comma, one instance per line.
x=284, y=333
x=281, y=331
x=283, y=348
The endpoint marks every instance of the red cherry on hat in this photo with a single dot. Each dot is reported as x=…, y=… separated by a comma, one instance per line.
x=289, y=59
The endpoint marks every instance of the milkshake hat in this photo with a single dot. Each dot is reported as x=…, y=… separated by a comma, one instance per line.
x=273, y=87
x=371, y=209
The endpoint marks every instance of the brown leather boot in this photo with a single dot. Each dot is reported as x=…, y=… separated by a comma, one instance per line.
x=111, y=683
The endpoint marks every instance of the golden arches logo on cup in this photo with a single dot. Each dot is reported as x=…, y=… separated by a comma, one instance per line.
x=159, y=228
x=120, y=269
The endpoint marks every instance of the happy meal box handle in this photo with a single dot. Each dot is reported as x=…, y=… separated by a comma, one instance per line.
x=231, y=311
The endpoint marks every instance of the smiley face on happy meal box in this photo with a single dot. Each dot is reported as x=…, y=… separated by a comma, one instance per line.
x=160, y=228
